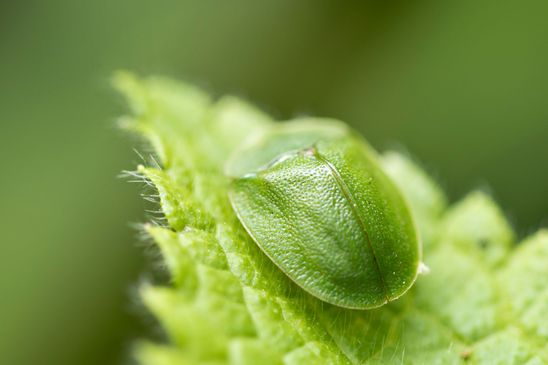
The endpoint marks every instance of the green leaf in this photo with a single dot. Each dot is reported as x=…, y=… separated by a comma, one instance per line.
x=485, y=300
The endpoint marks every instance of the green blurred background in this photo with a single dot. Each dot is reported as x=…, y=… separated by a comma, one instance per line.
x=462, y=85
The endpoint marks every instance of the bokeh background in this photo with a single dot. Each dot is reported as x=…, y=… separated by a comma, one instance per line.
x=462, y=85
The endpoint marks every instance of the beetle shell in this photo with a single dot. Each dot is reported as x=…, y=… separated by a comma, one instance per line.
x=313, y=197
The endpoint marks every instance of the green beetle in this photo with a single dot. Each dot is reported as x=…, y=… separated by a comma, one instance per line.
x=314, y=198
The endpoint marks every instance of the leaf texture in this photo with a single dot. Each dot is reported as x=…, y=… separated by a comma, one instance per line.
x=485, y=300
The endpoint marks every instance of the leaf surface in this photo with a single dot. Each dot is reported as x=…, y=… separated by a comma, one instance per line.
x=485, y=300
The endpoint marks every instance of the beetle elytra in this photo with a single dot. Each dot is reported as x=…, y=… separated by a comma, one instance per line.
x=313, y=197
